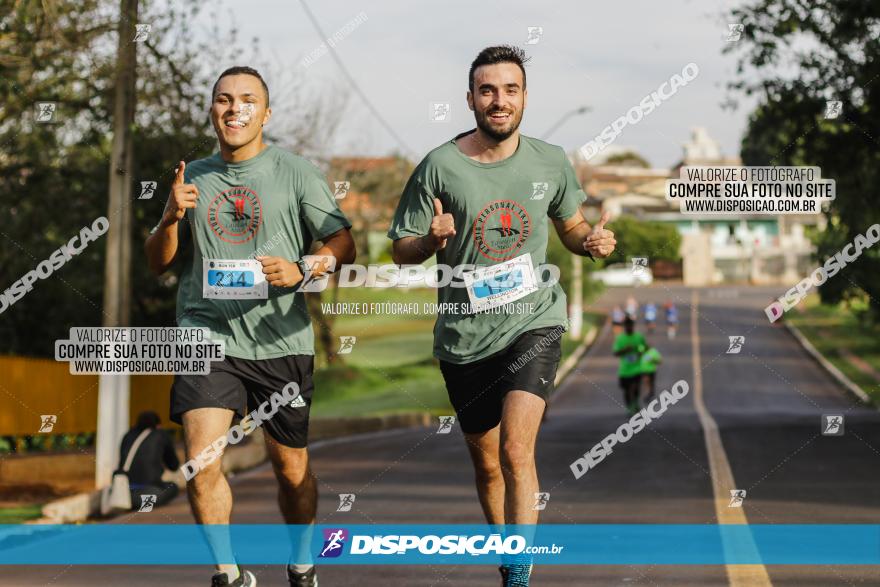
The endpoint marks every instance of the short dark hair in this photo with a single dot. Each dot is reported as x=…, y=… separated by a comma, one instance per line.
x=499, y=54
x=147, y=420
x=242, y=70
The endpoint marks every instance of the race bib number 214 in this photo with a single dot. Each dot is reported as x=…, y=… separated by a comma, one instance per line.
x=240, y=279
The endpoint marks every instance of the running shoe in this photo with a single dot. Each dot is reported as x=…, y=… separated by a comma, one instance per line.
x=307, y=579
x=245, y=579
x=515, y=575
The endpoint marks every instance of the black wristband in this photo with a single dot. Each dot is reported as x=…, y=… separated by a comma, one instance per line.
x=304, y=269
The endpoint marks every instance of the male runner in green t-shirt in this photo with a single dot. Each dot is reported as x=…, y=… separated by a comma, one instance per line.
x=483, y=199
x=648, y=363
x=629, y=346
x=241, y=222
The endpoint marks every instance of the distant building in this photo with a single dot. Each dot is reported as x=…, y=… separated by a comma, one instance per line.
x=755, y=248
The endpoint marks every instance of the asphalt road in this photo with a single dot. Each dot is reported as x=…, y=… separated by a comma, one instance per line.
x=767, y=401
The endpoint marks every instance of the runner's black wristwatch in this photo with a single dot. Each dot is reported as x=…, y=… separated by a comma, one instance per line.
x=304, y=269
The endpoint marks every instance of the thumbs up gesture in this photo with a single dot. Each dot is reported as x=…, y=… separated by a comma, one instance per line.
x=600, y=241
x=182, y=196
x=442, y=227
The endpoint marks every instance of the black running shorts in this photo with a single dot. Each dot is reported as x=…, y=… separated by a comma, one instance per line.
x=476, y=390
x=625, y=382
x=242, y=385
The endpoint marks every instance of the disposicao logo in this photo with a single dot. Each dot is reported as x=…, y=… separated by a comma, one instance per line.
x=334, y=542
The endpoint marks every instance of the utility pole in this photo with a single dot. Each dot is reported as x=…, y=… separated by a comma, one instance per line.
x=113, y=390
x=576, y=320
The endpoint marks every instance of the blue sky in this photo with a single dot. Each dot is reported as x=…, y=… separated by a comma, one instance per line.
x=605, y=55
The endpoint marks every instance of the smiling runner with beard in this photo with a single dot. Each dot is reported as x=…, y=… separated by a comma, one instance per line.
x=483, y=198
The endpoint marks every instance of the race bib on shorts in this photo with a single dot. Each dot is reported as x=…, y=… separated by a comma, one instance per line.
x=238, y=279
x=496, y=285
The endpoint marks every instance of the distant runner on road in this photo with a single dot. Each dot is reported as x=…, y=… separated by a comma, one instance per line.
x=671, y=319
x=629, y=346
x=648, y=364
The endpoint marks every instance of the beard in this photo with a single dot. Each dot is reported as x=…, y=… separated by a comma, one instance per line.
x=498, y=133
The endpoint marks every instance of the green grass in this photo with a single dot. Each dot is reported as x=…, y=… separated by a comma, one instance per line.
x=387, y=351
x=394, y=373
x=17, y=515
x=381, y=324
x=383, y=339
x=350, y=390
x=831, y=328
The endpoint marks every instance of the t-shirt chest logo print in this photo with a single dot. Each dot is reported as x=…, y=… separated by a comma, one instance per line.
x=501, y=229
x=235, y=215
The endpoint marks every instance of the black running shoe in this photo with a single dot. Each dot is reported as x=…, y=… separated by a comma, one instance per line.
x=515, y=575
x=307, y=579
x=245, y=579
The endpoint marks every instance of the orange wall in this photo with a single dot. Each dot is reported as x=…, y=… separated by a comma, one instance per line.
x=32, y=387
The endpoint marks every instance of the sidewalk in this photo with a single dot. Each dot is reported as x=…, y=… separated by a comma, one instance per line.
x=80, y=466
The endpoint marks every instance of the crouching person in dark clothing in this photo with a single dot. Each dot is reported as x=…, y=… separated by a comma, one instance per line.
x=154, y=454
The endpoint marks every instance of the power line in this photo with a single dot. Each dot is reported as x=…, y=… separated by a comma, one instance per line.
x=354, y=83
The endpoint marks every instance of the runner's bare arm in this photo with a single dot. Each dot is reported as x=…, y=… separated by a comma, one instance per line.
x=412, y=250
x=161, y=246
x=340, y=245
x=580, y=238
x=282, y=272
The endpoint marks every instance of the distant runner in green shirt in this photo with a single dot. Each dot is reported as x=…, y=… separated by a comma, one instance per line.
x=629, y=346
x=648, y=364
x=482, y=202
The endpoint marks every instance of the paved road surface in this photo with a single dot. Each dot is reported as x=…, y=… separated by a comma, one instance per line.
x=767, y=402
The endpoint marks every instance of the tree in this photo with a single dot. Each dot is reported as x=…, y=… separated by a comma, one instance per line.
x=627, y=159
x=53, y=176
x=795, y=57
x=637, y=238
x=377, y=184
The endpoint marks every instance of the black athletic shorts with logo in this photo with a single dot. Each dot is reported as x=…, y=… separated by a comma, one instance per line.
x=243, y=384
x=476, y=390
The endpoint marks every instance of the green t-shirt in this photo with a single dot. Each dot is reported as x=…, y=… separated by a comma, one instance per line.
x=273, y=204
x=500, y=211
x=630, y=363
x=649, y=361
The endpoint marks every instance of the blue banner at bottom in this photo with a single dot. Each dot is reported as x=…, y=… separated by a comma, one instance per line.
x=413, y=544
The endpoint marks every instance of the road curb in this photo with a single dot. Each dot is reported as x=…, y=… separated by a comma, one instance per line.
x=845, y=382
x=573, y=358
x=238, y=458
